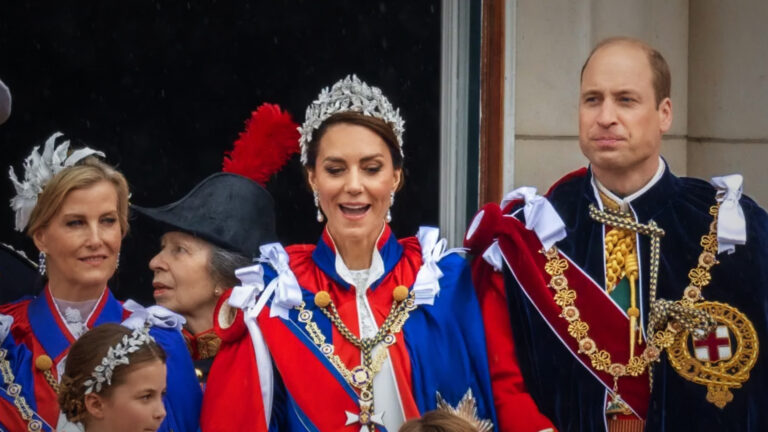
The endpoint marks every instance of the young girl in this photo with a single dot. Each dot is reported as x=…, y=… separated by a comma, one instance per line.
x=114, y=380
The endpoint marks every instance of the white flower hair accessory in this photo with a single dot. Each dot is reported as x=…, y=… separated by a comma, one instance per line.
x=349, y=94
x=117, y=355
x=38, y=170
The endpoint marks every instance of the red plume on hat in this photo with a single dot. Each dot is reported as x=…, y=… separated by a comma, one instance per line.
x=269, y=140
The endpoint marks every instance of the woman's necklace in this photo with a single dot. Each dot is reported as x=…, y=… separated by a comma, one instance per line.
x=360, y=377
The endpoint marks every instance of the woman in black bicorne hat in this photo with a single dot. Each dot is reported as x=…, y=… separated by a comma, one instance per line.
x=218, y=227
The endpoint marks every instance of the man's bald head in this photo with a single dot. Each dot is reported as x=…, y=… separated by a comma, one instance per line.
x=662, y=79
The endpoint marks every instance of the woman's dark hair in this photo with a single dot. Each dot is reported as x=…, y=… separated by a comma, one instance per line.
x=376, y=125
x=86, y=353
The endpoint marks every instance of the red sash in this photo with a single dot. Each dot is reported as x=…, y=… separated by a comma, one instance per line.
x=608, y=324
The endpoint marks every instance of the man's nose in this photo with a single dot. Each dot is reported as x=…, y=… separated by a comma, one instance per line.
x=607, y=115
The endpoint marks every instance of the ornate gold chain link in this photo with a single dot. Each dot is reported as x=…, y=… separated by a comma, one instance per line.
x=14, y=390
x=662, y=314
x=360, y=377
x=51, y=381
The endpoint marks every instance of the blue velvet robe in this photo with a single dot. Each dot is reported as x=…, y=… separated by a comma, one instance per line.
x=566, y=392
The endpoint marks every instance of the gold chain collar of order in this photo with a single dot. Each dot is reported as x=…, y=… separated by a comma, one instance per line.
x=719, y=374
x=360, y=377
x=684, y=316
x=14, y=390
x=44, y=364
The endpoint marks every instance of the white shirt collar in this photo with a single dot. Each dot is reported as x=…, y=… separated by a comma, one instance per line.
x=624, y=202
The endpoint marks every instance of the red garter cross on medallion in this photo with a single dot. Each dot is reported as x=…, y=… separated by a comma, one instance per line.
x=715, y=347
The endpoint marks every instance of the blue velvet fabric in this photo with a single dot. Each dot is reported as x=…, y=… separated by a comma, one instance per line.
x=446, y=343
x=183, y=396
x=573, y=398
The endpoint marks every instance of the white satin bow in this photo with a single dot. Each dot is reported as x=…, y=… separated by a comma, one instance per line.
x=433, y=249
x=493, y=256
x=245, y=295
x=540, y=216
x=251, y=298
x=731, y=225
x=156, y=315
x=287, y=293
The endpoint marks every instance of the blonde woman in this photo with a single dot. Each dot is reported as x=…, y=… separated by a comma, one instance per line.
x=75, y=209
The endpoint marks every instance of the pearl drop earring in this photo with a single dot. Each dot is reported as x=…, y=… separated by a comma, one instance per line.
x=317, y=204
x=391, y=203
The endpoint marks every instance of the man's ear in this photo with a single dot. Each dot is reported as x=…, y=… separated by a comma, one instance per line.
x=94, y=406
x=665, y=115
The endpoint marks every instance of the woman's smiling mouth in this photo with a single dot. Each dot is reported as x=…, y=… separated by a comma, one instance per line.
x=354, y=211
x=94, y=260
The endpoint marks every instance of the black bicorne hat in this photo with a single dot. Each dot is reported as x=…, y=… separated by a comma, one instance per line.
x=232, y=209
x=228, y=210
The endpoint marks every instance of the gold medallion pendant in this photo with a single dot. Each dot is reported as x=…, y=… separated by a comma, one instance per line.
x=707, y=342
x=722, y=359
x=361, y=376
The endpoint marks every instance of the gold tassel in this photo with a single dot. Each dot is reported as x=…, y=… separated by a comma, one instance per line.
x=631, y=270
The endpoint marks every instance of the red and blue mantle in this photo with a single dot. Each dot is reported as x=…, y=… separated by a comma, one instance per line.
x=440, y=349
x=39, y=330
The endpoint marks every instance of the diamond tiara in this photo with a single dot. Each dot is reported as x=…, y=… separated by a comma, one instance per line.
x=117, y=355
x=349, y=94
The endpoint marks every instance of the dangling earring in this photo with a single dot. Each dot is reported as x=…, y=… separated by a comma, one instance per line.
x=117, y=263
x=391, y=203
x=41, y=263
x=317, y=204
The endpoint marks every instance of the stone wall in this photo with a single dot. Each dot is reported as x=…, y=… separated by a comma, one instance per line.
x=717, y=52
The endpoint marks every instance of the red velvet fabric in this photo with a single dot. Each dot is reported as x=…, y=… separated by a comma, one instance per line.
x=515, y=409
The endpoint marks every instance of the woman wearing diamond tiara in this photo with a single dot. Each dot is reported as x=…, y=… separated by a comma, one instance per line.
x=359, y=336
x=75, y=207
x=114, y=381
